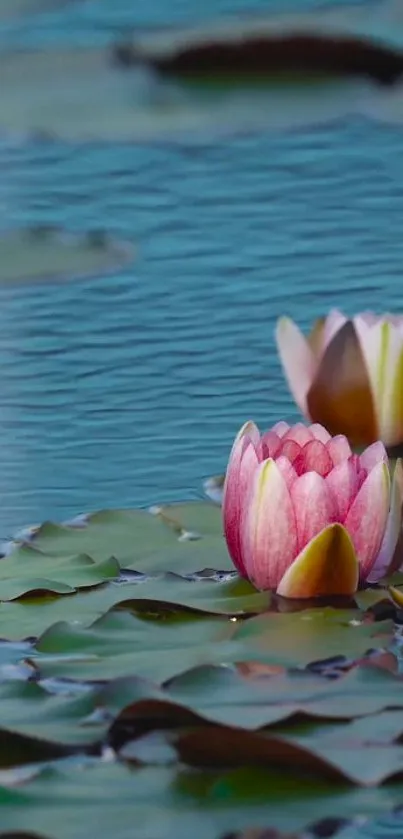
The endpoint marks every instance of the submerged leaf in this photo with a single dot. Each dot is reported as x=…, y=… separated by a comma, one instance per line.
x=42, y=253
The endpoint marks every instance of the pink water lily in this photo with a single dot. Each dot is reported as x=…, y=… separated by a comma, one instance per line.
x=348, y=374
x=306, y=517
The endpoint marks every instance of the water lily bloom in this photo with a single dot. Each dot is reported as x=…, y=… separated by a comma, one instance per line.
x=306, y=517
x=348, y=374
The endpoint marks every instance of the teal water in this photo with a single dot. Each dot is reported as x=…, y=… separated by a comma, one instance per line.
x=128, y=389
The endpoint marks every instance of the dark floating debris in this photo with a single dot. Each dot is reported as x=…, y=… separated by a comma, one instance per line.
x=258, y=56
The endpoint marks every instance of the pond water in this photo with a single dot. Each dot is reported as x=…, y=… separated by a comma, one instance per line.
x=127, y=389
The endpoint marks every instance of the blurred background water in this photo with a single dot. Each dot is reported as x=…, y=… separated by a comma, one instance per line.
x=127, y=389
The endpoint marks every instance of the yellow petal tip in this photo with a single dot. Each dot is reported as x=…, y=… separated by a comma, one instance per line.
x=396, y=595
x=327, y=567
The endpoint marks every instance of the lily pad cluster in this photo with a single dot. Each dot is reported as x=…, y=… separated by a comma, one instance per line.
x=145, y=689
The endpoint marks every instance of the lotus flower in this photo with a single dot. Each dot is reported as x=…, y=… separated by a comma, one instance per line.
x=306, y=517
x=348, y=374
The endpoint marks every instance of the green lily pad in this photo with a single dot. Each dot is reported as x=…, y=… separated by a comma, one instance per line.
x=183, y=538
x=223, y=696
x=140, y=108
x=157, y=598
x=364, y=764
x=302, y=637
x=30, y=570
x=34, y=718
x=119, y=644
x=114, y=800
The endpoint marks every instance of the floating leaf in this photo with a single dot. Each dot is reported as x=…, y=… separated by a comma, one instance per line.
x=302, y=637
x=221, y=695
x=73, y=106
x=39, y=254
x=258, y=55
x=66, y=803
x=33, y=718
x=120, y=643
x=357, y=763
x=145, y=542
x=157, y=598
x=28, y=570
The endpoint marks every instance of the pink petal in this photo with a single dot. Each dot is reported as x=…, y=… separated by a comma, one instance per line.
x=314, y=506
x=376, y=453
x=271, y=444
x=280, y=428
x=333, y=323
x=268, y=532
x=289, y=449
x=287, y=470
x=343, y=482
x=300, y=433
x=361, y=473
x=339, y=449
x=320, y=432
x=367, y=517
x=370, y=318
x=393, y=533
x=242, y=463
x=298, y=361
x=313, y=457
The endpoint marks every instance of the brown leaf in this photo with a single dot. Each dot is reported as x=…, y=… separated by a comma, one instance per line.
x=257, y=55
x=224, y=746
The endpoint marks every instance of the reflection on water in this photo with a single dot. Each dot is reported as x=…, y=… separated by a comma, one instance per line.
x=128, y=389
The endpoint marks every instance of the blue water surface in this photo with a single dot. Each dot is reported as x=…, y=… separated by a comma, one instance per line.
x=128, y=389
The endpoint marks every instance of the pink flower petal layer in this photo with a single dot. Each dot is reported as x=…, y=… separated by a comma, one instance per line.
x=343, y=483
x=314, y=457
x=314, y=506
x=391, y=551
x=297, y=358
x=242, y=464
x=367, y=517
x=339, y=449
x=376, y=453
x=268, y=531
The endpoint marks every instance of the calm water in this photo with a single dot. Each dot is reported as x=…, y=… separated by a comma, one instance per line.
x=127, y=390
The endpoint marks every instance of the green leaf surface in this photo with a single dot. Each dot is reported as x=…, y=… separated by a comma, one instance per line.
x=28, y=570
x=367, y=765
x=119, y=644
x=145, y=542
x=302, y=637
x=156, y=597
x=112, y=800
x=223, y=695
x=29, y=711
x=184, y=666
